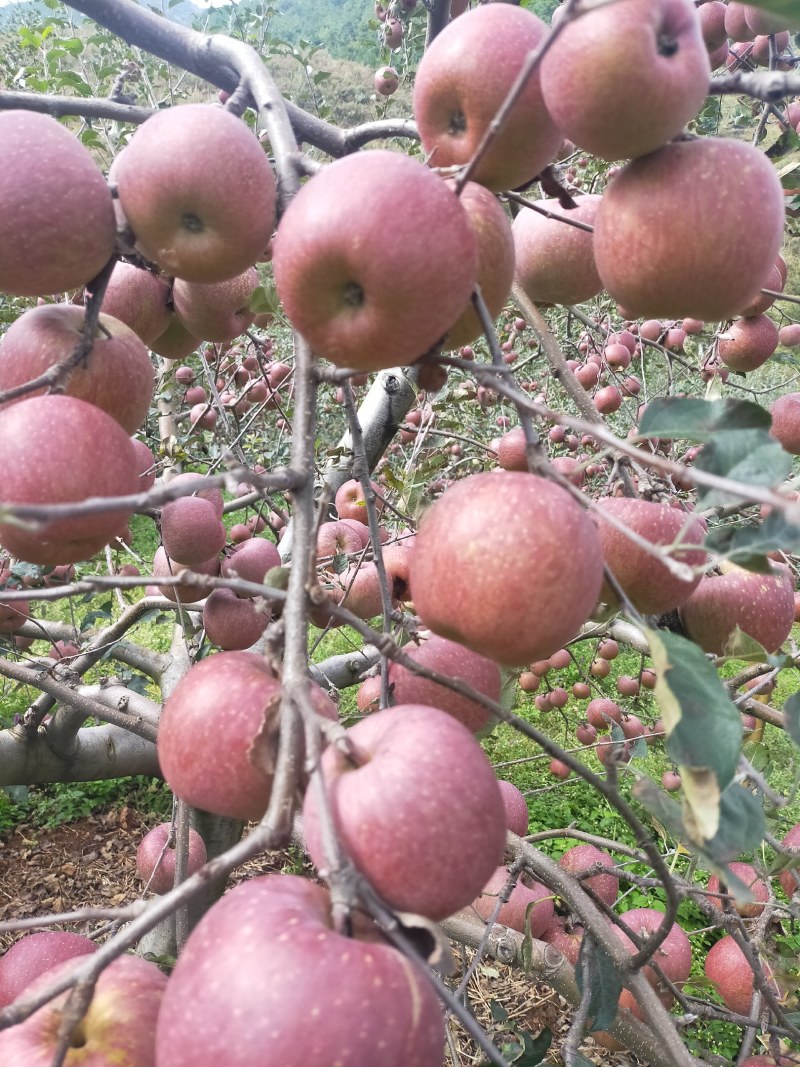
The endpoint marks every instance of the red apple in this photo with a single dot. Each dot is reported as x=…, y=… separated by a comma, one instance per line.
x=555, y=260
x=155, y=857
x=417, y=783
x=118, y=1028
x=581, y=858
x=727, y=968
x=464, y=77
x=669, y=238
x=660, y=46
x=232, y=622
x=251, y=560
x=138, y=298
x=34, y=954
x=748, y=343
x=217, y=311
x=386, y=81
x=514, y=913
x=355, y=305
x=310, y=997
x=517, y=815
x=191, y=530
x=746, y=873
x=650, y=586
x=452, y=659
x=204, y=210
x=508, y=564
x=116, y=376
x=58, y=228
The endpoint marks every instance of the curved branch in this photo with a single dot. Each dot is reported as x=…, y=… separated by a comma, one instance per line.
x=771, y=86
x=83, y=107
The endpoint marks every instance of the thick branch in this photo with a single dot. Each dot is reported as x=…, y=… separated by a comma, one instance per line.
x=98, y=752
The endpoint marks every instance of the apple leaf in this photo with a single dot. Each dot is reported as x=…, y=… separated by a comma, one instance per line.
x=741, y=646
x=605, y=983
x=700, y=420
x=791, y=718
x=787, y=9
x=263, y=300
x=741, y=829
x=703, y=728
x=660, y=805
x=749, y=456
x=748, y=545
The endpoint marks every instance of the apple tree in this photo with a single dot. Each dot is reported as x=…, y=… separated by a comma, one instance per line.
x=458, y=407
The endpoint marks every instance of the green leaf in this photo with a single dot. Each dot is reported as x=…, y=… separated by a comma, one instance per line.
x=791, y=718
x=748, y=545
x=787, y=9
x=660, y=804
x=748, y=456
x=742, y=646
x=741, y=830
x=499, y=1013
x=703, y=728
x=606, y=984
x=263, y=300
x=699, y=420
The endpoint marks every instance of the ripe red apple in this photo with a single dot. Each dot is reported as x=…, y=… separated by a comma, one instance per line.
x=727, y=968
x=761, y=605
x=746, y=873
x=660, y=46
x=71, y=434
x=155, y=857
x=309, y=997
x=355, y=305
x=712, y=24
x=464, y=77
x=334, y=538
x=789, y=335
x=232, y=622
x=748, y=343
x=233, y=692
x=452, y=659
x=674, y=955
x=118, y=1028
x=600, y=710
x=217, y=311
x=785, y=412
x=182, y=592
x=58, y=228
x=251, y=560
x=13, y=613
x=517, y=816
x=417, y=784
x=205, y=210
x=508, y=564
x=386, y=81
x=492, y=230
x=116, y=376
x=204, y=492
x=555, y=260
x=648, y=583
x=787, y=878
x=736, y=25
x=191, y=531
x=138, y=298
x=567, y=941
x=514, y=913
x=175, y=342
x=669, y=239
x=580, y=858
x=34, y=954
x=350, y=503
x=671, y=781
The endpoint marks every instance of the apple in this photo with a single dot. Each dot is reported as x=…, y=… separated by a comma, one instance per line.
x=452, y=659
x=555, y=260
x=748, y=343
x=118, y=1028
x=789, y=883
x=335, y=538
x=669, y=238
x=58, y=228
x=146, y=465
x=746, y=873
x=393, y=33
x=232, y=622
x=268, y=952
x=649, y=584
x=712, y=24
x=761, y=605
x=386, y=81
x=492, y=231
x=674, y=955
x=211, y=493
x=236, y=693
x=175, y=342
x=138, y=298
x=411, y=782
x=191, y=531
x=763, y=22
x=514, y=913
x=659, y=44
x=507, y=564
x=462, y=80
x=356, y=306
x=351, y=505
x=205, y=210
x=71, y=434
x=600, y=711
x=182, y=592
x=13, y=613
x=251, y=560
x=736, y=24
x=116, y=375
x=34, y=954
x=217, y=311
x=581, y=858
x=671, y=781
x=566, y=940
x=155, y=857
x=727, y=969
x=517, y=815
